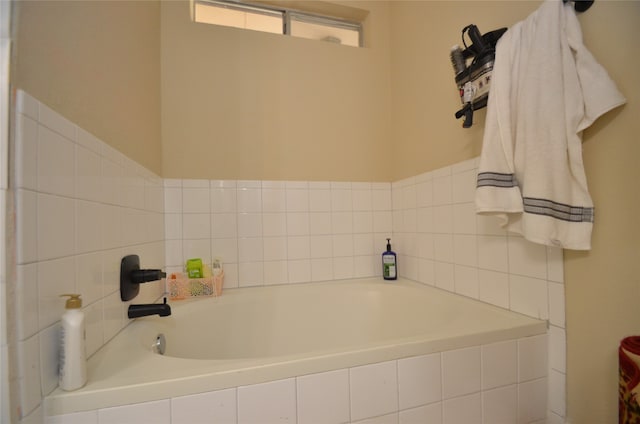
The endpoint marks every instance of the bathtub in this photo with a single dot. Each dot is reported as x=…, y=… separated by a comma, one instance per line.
x=249, y=336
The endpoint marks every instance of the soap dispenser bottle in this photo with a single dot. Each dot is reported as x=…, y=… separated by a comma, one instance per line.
x=73, y=364
x=389, y=263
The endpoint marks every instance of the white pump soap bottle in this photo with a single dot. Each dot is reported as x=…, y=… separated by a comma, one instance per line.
x=73, y=363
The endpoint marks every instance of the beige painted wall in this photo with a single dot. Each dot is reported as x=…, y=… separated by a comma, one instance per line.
x=98, y=64
x=241, y=104
x=603, y=285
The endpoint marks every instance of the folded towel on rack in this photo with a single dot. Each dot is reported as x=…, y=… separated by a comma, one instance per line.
x=546, y=89
x=629, y=380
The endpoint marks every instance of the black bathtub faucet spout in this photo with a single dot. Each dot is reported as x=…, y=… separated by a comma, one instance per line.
x=161, y=309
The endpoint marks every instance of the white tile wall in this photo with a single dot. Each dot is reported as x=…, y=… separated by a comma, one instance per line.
x=150, y=412
x=272, y=402
x=420, y=389
x=270, y=233
x=468, y=254
x=323, y=397
x=373, y=390
x=80, y=207
x=419, y=381
x=278, y=232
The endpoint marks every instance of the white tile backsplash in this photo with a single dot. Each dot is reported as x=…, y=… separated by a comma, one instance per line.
x=273, y=200
x=463, y=410
x=250, y=274
x=556, y=304
x=88, y=277
x=272, y=402
x=526, y=258
x=557, y=349
x=275, y=248
x=499, y=364
x=532, y=401
x=88, y=178
x=88, y=230
x=276, y=272
x=466, y=281
x=323, y=398
x=26, y=153
x=26, y=298
x=500, y=405
x=444, y=275
x=218, y=406
x=224, y=200
x=557, y=392
x=469, y=254
x=29, y=374
x=26, y=226
x=74, y=195
x=249, y=199
x=297, y=198
x=442, y=190
x=431, y=414
x=529, y=296
x=532, y=358
x=494, y=288
x=419, y=380
x=493, y=253
x=461, y=372
x=89, y=417
x=158, y=412
x=56, y=163
x=320, y=198
x=195, y=200
x=373, y=390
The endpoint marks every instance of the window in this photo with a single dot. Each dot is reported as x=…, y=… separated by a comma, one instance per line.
x=278, y=21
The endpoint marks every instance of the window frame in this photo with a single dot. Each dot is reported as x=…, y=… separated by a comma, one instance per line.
x=287, y=15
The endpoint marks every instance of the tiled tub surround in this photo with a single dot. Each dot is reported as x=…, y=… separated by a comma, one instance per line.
x=54, y=201
x=338, y=230
x=276, y=232
x=441, y=242
x=80, y=207
x=280, y=353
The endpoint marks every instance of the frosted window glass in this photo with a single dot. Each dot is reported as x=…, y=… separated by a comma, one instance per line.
x=266, y=19
x=314, y=31
x=220, y=15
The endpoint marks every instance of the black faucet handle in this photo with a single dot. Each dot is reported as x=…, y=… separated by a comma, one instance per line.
x=145, y=275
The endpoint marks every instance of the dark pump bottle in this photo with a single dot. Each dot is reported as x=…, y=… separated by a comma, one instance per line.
x=389, y=263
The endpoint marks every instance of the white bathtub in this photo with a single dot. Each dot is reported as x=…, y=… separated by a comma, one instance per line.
x=254, y=335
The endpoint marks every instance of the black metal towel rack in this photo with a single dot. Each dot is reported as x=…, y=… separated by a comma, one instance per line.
x=581, y=5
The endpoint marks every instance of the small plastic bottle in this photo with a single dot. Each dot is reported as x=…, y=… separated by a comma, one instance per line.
x=389, y=263
x=73, y=362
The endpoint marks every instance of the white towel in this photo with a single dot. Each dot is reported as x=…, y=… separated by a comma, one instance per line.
x=546, y=89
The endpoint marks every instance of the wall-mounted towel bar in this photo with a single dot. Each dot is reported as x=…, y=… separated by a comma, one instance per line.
x=581, y=5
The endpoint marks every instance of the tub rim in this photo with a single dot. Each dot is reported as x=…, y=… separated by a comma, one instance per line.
x=107, y=388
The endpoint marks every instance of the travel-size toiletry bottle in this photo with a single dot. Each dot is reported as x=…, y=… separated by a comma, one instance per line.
x=389, y=263
x=73, y=362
